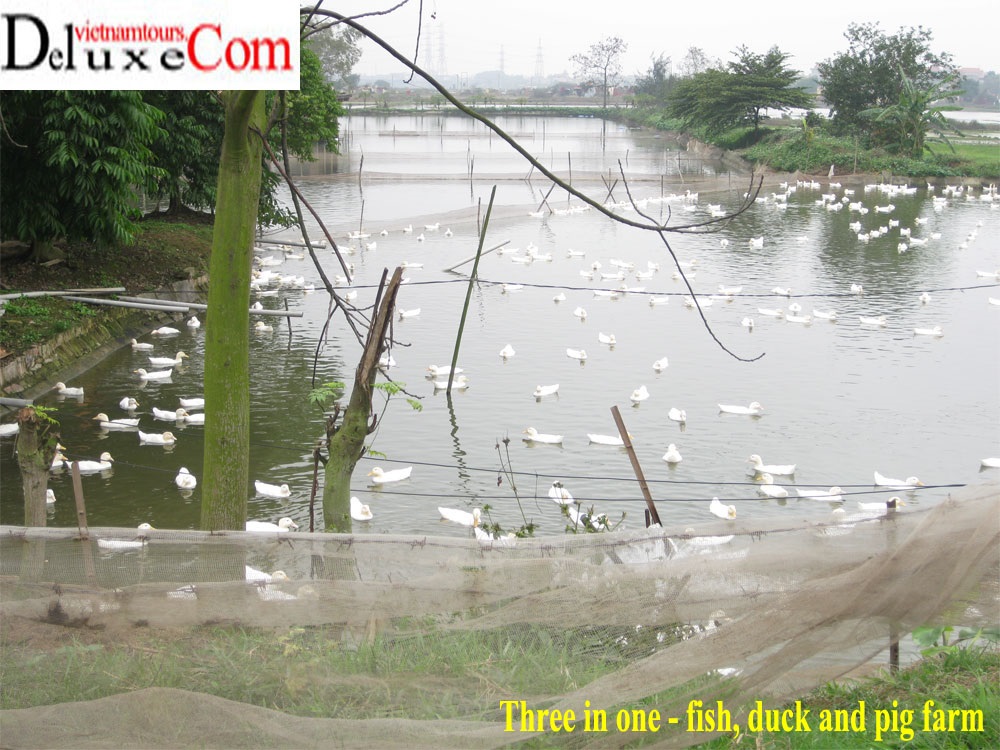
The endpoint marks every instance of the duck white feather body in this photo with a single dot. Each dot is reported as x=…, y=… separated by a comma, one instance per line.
x=534, y=436
x=717, y=508
x=461, y=517
x=760, y=467
x=185, y=480
x=283, y=524
x=897, y=484
x=360, y=511
x=546, y=390
x=157, y=438
x=271, y=490
x=385, y=477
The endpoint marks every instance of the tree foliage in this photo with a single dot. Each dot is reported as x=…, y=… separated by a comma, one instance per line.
x=919, y=112
x=338, y=52
x=719, y=99
x=186, y=147
x=869, y=73
x=602, y=63
x=656, y=83
x=71, y=161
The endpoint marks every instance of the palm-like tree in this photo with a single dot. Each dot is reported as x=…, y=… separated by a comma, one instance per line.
x=919, y=113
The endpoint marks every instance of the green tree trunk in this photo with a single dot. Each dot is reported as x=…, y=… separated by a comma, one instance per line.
x=227, y=344
x=36, y=447
x=347, y=442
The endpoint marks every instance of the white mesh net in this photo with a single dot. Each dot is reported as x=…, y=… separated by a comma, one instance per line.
x=393, y=641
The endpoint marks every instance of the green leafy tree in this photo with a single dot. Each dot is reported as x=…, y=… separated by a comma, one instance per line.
x=919, y=113
x=70, y=162
x=867, y=75
x=338, y=52
x=716, y=100
x=655, y=84
x=187, y=147
x=695, y=61
x=602, y=61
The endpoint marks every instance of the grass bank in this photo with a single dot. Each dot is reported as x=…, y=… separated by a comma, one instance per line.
x=324, y=672
x=165, y=250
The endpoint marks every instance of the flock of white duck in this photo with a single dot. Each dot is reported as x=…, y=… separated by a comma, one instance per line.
x=269, y=282
x=180, y=415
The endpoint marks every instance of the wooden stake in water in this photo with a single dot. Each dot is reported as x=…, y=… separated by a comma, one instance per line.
x=81, y=510
x=468, y=293
x=654, y=517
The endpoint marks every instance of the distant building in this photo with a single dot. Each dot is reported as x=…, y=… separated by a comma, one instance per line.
x=973, y=74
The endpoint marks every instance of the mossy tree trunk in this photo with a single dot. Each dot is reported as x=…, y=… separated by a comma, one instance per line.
x=347, y=440
x=37, y=439
x=227, y=334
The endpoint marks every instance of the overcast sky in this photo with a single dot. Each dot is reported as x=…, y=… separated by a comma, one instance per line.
x=471, y=35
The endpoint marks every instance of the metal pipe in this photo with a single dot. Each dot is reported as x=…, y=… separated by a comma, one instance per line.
x=134, y=305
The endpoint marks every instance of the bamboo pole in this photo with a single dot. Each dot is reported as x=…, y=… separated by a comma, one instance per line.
x=474, y=257
x=468, y=293
x=176, y=307
x=64, y=292
x=651, y=508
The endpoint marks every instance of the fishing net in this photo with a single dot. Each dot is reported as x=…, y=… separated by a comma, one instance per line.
x=191, y=639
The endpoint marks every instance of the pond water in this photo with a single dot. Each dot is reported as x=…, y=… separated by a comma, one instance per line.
x=840, y=400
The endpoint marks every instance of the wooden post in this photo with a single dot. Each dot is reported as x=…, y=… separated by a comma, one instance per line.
x=468, y=293
x=81, y=508
x=651, y=508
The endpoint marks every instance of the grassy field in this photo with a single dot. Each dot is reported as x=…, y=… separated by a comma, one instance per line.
x=314, y=672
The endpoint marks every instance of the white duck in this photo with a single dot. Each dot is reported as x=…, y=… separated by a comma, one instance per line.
x=897, y=484
x=164, y=331
x=760, y=467
x=121, y=544
x=462, y=517
x=385, y=477
x=360, y=511
x=677, y=415
x=672, y=456
x=413, y=313
x=194, y=419
x=834, y=494
x=717, y=508
x=169, y=416
x=50, y=497
x=271, y=490
x=661, y=364
x=754, y=409
x=92, y=467
x=115, y=424
x=444, y=370
x=141, y=347
x=892, y=503
x=580, y=313
x=614, y=440
x=128, y=404
x=559, y=494
x=545, y=390
x=770, y=489
x=283, y=524
x=261, y=327
x=65, y=390
x=507, y=351
x=192, y=403
x=935, y=331
x=606, y=338
x=157, y=375
x=193, y=322
x=872, y=320
x=534, y=436
x=168, y=361
x=157, y=438
x=990, y=463
x=458, y=383
x=578, y=354
x=185, y=480
x=639, y=394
